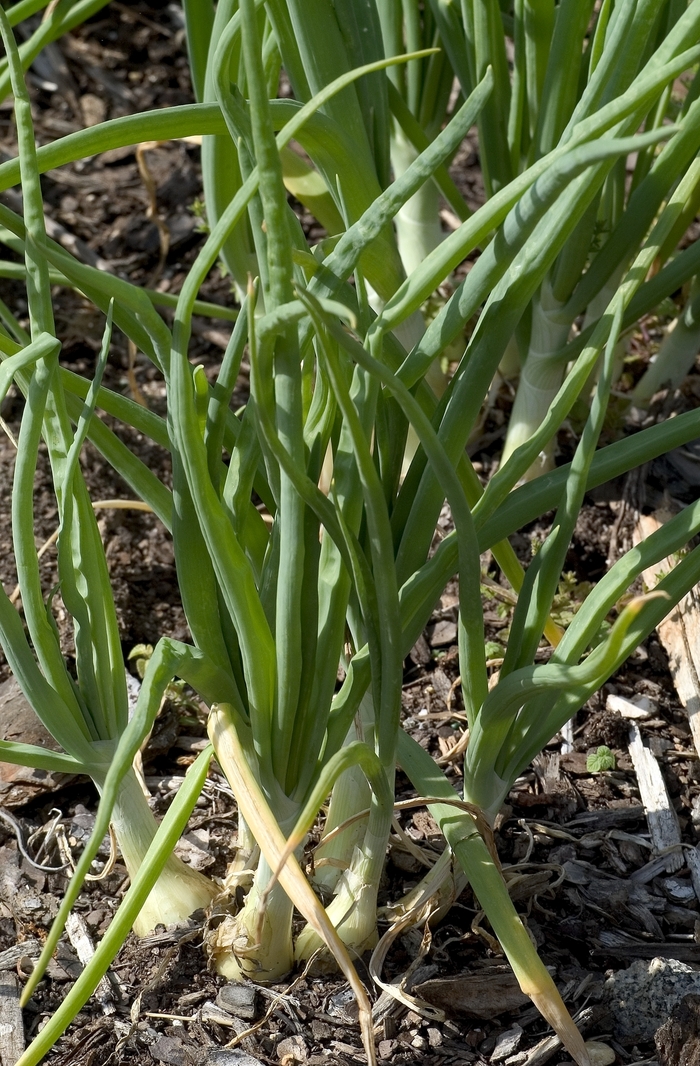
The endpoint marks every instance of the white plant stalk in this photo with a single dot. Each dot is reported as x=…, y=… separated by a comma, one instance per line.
x=594, y=311
x=350, y=795
x=540, y=380
x=256, y=944
x=677, y=353
x=180, y=890
x=353, y=910
x=418, y=228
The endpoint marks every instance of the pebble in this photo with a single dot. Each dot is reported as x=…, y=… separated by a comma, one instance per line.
x=292, y=1049
x=231, y=1057
x=238, y=999
x=643, y=996
x=599, y=1054
x=434, y=1037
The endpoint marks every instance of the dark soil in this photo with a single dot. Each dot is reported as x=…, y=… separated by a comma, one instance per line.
x=561, y=822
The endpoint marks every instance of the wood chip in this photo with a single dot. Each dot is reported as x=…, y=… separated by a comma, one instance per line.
x=507, y=1044
x=27, y=949
x=649, y=871
x=609, y=818
x=482, y=995
x=692, y=858
x=640, y=707
x=661, y=817
x=11, y=1027
x=683, y=952
x=19, y=723
x=85, y=949
x=547, y=1047
x=567, y=737
x=442, y=633
x=420, y=653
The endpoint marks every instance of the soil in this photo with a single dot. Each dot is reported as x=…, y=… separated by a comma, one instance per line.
x=576, y=839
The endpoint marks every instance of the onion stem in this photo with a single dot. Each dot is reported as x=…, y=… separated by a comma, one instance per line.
x=179, y=890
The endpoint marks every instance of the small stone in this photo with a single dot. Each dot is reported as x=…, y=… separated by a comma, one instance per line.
x=292, y=1049
x=419, y=1042
x=230, y=1057
x=386, y=1048
x=507, y=1043
x=599, y=1054
x=434, y=1037
x=93, y=109
x=643, y=996
x=238, y=999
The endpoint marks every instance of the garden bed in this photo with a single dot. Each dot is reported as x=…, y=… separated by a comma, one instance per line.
x=576, y=839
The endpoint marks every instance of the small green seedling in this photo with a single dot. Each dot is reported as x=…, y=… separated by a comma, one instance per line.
x=600, y=760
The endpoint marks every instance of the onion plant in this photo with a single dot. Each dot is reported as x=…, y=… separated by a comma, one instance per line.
x=299, y=545
x=561, y=73
x=87, y=713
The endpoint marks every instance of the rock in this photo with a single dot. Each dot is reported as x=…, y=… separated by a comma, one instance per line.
x=229, y=1057
x=292, y=1049
x=678, y=1039
x=643, y=996
x=434, y=1037
x=93, y=109
x=194, y=849
x=238, y=999
x=599, y=1054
